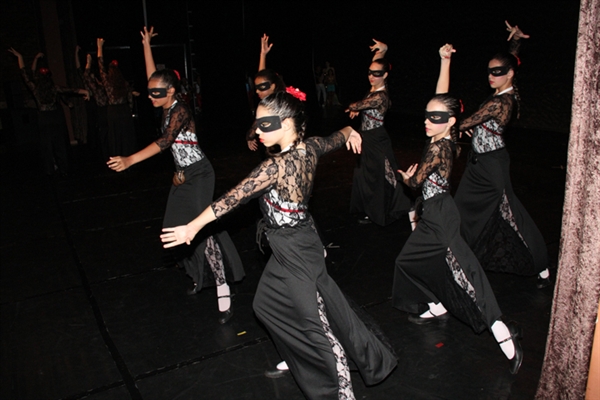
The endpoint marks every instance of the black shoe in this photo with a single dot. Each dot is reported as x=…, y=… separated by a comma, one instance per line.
x=516, y=334
x=225, y=316
x=194, y=290
x=275, y=373
x=543, y=282
x=417, y=319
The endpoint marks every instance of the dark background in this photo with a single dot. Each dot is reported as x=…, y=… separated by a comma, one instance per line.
x=222, y=41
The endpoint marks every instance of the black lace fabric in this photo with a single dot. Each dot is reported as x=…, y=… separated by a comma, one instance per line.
x=433, y=172
x=373, y=107
x=48, y=100
x=93, y=84
x=179, y=133
x=285, y=181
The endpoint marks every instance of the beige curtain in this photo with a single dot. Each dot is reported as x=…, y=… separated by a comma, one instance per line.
x=575, y=305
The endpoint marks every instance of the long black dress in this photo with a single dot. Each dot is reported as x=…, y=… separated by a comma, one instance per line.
x=494, y=222
x=308, y=317
x=186, y=201
x=375, y=190
x=435, y=264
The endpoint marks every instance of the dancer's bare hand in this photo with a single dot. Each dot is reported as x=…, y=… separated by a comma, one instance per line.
x=265, y=47
x=252, y=145
x=515, y=32
x=447, y=50
x=406, y=175
x=354, y=142
x=178, y=235
x=14, y=52
x=100, y=42
x=468, y=132
x=118, y=163
x=147, y=35
x=378, y=47
x=352, y=114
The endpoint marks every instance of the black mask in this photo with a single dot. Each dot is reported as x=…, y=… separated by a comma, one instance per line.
x=269, y=123
x=378, y=73
x=157, y=92
x=261, y=87
x=437, y=117
x=498, y=71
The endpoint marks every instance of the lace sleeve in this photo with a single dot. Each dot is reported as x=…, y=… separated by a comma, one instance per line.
x=176, y=120
x=323, y=145
x=431, y=160
x=498, y=108
x=375, y=100
x=261, y=179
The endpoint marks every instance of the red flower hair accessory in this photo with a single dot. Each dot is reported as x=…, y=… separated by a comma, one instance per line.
x=114, y=63
x=44, y=71
x=177, y=73
x=518, y=60
x=462, y=106
x=297, y=93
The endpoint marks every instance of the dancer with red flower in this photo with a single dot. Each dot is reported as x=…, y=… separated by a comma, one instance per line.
x=310, y=321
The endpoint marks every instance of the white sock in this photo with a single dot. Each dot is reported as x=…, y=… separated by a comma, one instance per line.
x=501, y=332
x=224, y=302
x=412, y=217
x=435, y=310
x=282, y=366
x=544, y=274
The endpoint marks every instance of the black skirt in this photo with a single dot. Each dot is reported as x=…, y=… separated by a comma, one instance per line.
x=494, y=222
x=372, y=193
x=286, y=303
x=436, y=265
x=185, y=203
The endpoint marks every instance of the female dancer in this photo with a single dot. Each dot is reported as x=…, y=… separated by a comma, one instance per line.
x=436, y=269
x=51, y=118
x=375, y=190
x=308, y=317
x=193, y=183
x=121, y=132
x=266, y=82
x=494, y=222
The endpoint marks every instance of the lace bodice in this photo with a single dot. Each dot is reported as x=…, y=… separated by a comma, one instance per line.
x=111, y=92
x=49, y=100
x=433, y=173
x=285, y=183
x=373, y=107
x=179, y=133
x=489, y=122
x=94, y=86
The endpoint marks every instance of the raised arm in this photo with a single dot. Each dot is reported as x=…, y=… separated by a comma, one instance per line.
x=443, y=83
x=379, y=48
x=514, y=38
x=147, y=35
x=19, y=57
x=265, y=47
x=35, y=60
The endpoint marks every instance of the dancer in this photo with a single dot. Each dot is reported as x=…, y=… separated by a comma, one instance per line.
x=121, y=131
x=436, y=270
x=376, y=194
x=308, y=317
x=266, y=82
x=494, y=222
x=52, y=124
x=193, y=183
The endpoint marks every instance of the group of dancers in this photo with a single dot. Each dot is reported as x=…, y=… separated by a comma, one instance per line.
x=440, y=269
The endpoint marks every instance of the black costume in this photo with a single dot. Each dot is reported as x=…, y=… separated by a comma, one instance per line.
x=494, y=222
x=189, y=199
x=435, y=264
x=375, y=190
x=308, y=317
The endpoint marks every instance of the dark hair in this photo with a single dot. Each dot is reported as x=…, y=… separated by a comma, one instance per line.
x=511, y=61
x=385, y=67
x=287, y=106
x=117, y=81
x=273, y=77
x=454, y=108
x=45, y=89
x=171, y=80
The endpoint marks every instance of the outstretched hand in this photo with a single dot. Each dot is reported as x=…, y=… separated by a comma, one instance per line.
x=14, y=52
x=39, y=55
x=447, y=50
x=409, y=172
x=178, y=235
x=265, y=47
x=147, y=35
x=118, y=163
x=100, y=42
x=352, y=114
x=354, y=142
x=378, y=47
x=515, y=32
